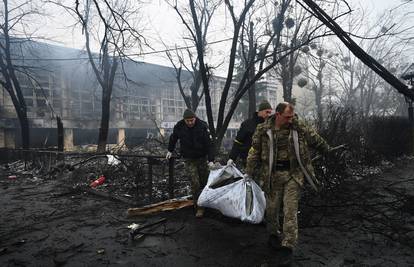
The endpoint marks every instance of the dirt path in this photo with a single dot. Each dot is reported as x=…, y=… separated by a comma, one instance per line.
x=45, y=224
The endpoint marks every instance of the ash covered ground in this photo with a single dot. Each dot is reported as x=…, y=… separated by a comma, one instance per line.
x=58, y=221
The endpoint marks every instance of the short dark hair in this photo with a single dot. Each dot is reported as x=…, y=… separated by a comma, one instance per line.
x=282, y=106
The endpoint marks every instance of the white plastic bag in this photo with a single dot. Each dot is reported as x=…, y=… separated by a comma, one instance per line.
x=234, y=196
x=112, y=160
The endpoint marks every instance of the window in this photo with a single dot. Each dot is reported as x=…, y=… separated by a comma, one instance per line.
x=29, y=102
x=41, y=102
x=27, y=91
x=57, y=103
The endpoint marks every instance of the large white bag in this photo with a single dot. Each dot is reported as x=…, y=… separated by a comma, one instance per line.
x=234, y=196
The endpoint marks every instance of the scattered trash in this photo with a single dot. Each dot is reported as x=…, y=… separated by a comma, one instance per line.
x=171, y=204
x=136, y=233
x=98, y=181
x=35, y=179
x=138, y=236
x=112, y=160
x=133, y=226
x=20, y=242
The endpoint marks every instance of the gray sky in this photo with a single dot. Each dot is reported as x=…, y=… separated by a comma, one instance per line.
x=161, y=20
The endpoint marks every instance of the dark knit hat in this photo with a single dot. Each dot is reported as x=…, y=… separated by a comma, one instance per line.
x=264, y=105
x=188, y=114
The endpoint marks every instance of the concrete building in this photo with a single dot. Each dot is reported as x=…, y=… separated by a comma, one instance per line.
x=65, y=85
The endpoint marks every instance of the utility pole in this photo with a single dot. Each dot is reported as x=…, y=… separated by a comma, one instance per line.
x=408, y=76
x=369, y=61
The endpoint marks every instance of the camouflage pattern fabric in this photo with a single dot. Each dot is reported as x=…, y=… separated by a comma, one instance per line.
x=198, y=171
x=287, y=191
x=261, y=161
x=282, y=186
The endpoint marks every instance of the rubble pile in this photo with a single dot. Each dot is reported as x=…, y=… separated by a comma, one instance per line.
x=139, y=175
x=130, y=178
x=372, y=201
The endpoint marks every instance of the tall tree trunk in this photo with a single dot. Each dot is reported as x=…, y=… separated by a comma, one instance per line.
x=25, y=131
x=195, y=87
x=61, y=138
x=18, y=102
x=11, y=83
x=203, y=70
x=109, y=77
x=319, y=109
x=104, y=129
x=318, y=94
x=252, y=71
x=252, y=100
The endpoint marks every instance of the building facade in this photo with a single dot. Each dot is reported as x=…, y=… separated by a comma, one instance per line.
x=145, y=98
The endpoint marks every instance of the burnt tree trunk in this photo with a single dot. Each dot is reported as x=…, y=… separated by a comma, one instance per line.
x=10, y=82
x=60, y=134
x=105, y=116
x=107, y=87
x=252, y=72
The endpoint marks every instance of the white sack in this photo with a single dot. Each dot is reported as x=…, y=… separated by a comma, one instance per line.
x=235, y=199
x=112, y=160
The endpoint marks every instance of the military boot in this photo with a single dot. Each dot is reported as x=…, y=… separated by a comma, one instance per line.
x=274, y=241
x=200, y=212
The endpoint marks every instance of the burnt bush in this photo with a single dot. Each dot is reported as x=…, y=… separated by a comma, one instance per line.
x=370, y=144
x=369, y=141
x=389, y=136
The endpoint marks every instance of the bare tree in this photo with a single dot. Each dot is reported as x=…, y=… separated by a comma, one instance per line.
x=316, y=61
x=357, y=50
x=184, y=59
x=266, y=51
x=198, y=34
x=361, y=87
x=301, y=27
x=192, y=95
x=15, y=18
x=110, y=24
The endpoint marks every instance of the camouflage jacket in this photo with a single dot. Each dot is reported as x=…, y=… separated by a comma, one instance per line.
x=263, y=151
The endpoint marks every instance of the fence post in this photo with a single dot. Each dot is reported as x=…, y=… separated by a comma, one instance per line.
x=149, y=161
x=171, y=163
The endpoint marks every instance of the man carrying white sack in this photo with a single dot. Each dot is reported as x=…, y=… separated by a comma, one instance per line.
x=196, y=148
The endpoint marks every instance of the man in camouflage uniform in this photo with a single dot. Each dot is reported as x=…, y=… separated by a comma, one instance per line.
x=280, y=152
x=195, y=148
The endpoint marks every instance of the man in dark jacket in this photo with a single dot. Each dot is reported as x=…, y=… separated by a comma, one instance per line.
x=243, y=139
x=195, y=148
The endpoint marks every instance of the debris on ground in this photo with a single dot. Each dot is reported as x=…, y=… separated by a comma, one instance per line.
x=168, y=205
x=138, y=230
x=57, y=219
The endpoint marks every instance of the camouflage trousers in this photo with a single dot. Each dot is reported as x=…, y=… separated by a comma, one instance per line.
x=198, y=171
x=284, y=189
